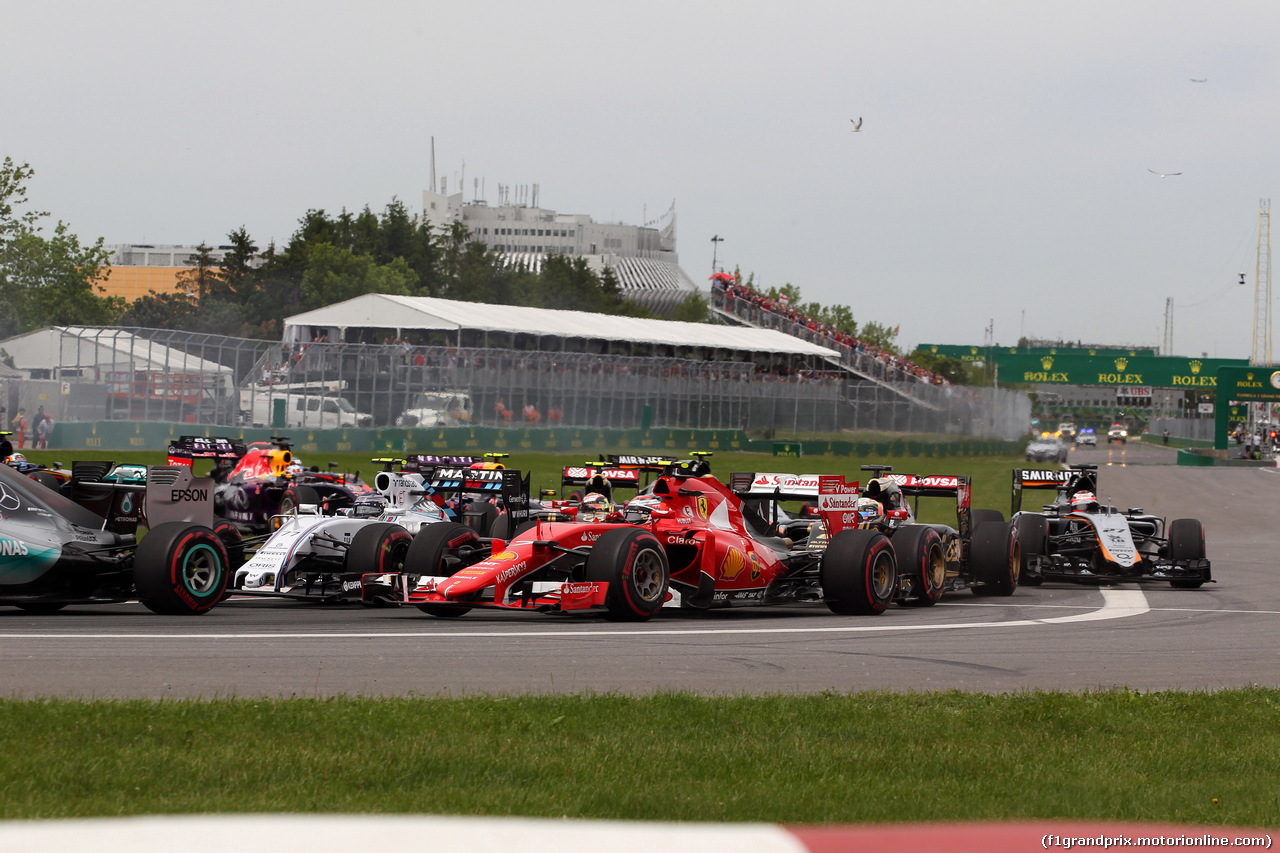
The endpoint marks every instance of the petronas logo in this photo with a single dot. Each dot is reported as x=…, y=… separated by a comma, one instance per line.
x=1047, y=362
x=1122, y=363
x=1196, y=365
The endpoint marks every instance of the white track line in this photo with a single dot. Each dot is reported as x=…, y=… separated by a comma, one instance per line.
x=1117, y=604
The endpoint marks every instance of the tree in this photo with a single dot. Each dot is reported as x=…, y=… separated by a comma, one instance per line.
x=237, y=268
x=45, y=281
x=692, y=310
x=335, y=275
x=203, y=279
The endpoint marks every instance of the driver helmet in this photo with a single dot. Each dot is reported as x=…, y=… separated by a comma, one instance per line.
x=1084, y=501
x=17, y=459
x=639, y=509
x=294, y=468
x=869, y=511
x=890, y=494
x=595, y=507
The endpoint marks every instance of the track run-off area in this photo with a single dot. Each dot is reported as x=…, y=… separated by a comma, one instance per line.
x=1057, y=636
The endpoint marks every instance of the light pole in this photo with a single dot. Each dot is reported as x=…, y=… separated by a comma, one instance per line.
x=715, y=241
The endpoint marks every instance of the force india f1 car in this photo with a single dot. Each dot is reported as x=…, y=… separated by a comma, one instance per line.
x=1078, y=538
x=54, y=551
x=689, y=541
x=314, y=557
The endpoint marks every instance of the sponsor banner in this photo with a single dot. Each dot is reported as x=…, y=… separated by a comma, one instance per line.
x=1133, y=391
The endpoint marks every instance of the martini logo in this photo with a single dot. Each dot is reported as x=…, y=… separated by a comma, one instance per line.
x=1047, y=362
x=1195, y=366
x=1122, y=363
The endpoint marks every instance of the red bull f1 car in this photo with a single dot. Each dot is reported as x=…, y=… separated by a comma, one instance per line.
x=1079, y=538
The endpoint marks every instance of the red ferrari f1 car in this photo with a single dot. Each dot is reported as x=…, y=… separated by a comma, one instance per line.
x=688, y=541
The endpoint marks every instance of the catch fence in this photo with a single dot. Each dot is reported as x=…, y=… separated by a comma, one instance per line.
x=181, y=377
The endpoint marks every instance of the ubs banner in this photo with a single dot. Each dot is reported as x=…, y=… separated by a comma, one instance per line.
x=1079, y=368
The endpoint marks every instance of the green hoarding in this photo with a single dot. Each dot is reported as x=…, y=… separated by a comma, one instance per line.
x=1242, y=385
x=1077, y=369
x=971, y=352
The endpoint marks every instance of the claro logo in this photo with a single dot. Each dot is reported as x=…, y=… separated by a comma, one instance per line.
x=188, y=495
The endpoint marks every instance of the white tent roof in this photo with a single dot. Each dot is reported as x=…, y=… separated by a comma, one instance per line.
x=383, y=311
x=66, y=347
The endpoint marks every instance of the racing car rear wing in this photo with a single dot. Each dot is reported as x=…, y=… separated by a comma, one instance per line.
x=420, y=463
x=582, y=475
x=189, y=448
x=776, y=487
x=934, y=486
x=1050, y=478
x=504, y=483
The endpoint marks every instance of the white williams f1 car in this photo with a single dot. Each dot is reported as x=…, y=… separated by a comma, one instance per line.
x=324, y=558
x=1079, y=538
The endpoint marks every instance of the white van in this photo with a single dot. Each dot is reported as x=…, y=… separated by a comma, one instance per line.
x=303, y=410
x=437, y=408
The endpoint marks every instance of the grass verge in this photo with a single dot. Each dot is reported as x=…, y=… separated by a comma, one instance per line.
x=865, y=757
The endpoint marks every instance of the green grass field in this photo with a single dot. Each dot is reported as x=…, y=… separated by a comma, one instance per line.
x=864, y=757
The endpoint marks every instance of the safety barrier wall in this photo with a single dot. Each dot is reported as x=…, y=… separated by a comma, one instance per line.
x=114, y=435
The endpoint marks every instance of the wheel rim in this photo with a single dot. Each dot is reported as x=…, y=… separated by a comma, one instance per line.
x=201, y=570
x=1017, y=561
x=935, y=571
x=882, y=575
x=647, y=575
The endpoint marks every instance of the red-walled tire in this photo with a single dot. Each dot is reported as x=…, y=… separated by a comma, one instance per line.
x=632, y=561
x=180, y=568
x=859, y=573
x=920, y=557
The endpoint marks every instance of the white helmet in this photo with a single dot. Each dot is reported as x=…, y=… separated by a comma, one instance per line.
x=1084, y=501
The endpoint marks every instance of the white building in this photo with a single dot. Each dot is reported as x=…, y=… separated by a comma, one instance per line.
x=643, y=257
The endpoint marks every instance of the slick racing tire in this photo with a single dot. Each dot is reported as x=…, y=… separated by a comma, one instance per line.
x=49, y=481
x=1186, y=542
x=180, y=568
x=995, y=557
x=859, y=573
x=920, y=558
x=631, y=560
x=297, y=496
x=378, y=549
x=442, y=549
x=1033, y=539
x=481, y=516
x=983, y=516
x=234, y=542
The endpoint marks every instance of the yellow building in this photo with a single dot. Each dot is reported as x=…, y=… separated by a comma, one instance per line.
x=138, y=269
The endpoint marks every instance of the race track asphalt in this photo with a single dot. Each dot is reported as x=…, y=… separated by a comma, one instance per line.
x=1057, y=636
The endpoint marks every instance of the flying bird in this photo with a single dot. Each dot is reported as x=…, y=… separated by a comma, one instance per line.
x=1200, y=80
x=857, y=125
x=1163, y=174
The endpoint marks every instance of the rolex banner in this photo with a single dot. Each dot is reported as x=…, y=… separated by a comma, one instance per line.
x=1082, y=369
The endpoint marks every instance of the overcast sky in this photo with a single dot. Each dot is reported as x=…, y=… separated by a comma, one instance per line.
x=1001, y=175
